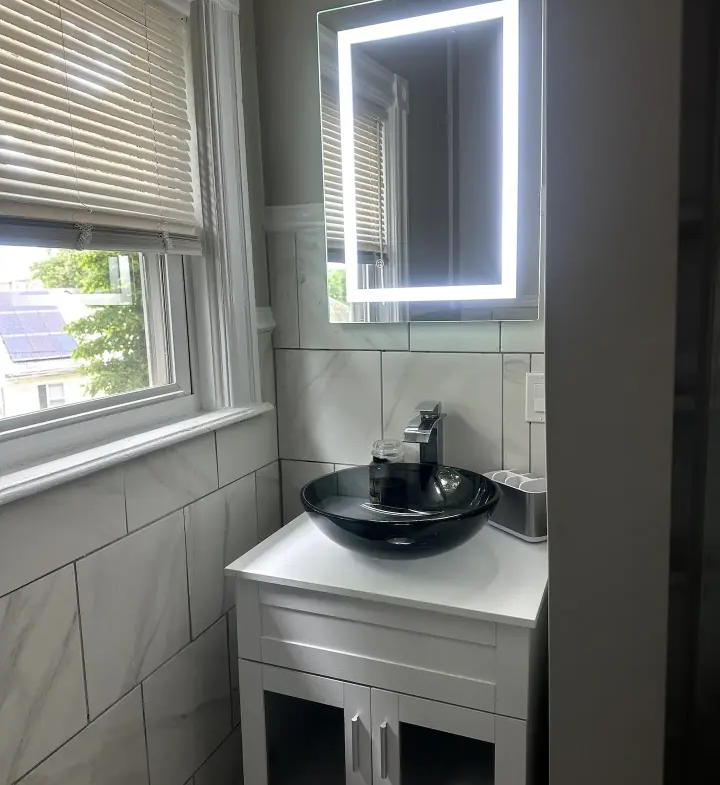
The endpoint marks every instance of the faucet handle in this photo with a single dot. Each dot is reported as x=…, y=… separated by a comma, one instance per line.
x=429, y=409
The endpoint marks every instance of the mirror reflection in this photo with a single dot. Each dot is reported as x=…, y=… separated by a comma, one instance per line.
x=427, y=211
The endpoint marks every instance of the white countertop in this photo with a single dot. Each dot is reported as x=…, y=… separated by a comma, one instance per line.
x=494, y=576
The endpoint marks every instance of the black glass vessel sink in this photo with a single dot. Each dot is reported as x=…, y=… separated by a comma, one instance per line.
x=401, y=509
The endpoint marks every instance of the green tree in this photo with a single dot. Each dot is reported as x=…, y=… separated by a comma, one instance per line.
x=111, y=338
x=336, y=285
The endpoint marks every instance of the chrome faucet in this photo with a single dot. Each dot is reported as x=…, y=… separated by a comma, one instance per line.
x=426, y=429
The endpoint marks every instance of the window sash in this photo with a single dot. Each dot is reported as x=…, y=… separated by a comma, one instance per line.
x=166, y=303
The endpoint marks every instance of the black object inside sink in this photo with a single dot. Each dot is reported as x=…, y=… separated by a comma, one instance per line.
x=402, y=509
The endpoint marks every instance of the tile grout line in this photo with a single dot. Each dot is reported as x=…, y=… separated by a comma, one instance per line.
x=125, y=505
x=217, y=461
x=297, y=285
x=502, y=410
x=187, y=577
x=145, y=730
x=229, y=664
x=382, y=399
x=82, y=643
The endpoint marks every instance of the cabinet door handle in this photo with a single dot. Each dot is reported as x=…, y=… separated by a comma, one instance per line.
x=355, y=741
x=383, y=750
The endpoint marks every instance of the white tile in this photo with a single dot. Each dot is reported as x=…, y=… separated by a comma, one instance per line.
x=166, y=480
x=522, y=336
x=296, y=474
x=187, y=707
x=224, y=767
x=537, y=449
x=328, y=405
x=234, y=674
x=316, y=331
x=283, y=288
x=134, y=609
x=218, y=529
x=246, y=446
x=470, y=389
x=267, y=367
x=109, y=751
x=537, y=363
x=537, y=429
x=516, y=431
x=269, y=505
x=42, y=697
x=455, y=337
x=43, y=532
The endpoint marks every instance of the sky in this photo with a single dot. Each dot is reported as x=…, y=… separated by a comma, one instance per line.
x=15, y=261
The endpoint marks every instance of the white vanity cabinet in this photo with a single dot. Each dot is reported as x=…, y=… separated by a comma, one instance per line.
x=368, y=671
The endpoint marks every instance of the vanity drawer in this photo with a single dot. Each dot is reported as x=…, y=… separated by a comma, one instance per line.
x=441, y=657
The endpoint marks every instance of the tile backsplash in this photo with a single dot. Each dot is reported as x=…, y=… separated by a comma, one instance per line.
x=341, y=387
x=118, y=645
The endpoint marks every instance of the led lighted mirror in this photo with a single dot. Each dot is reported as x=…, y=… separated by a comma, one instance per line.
x=431, y=132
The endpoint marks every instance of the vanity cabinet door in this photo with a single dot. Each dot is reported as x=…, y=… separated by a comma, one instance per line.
x=422, y=742
x=301, y=729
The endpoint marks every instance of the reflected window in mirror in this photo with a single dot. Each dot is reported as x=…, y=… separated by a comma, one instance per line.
x=431, y=135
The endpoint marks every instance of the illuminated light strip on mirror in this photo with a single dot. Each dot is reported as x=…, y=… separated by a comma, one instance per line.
x=508, y=11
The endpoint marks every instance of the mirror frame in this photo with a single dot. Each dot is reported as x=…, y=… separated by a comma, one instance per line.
x=508, y=11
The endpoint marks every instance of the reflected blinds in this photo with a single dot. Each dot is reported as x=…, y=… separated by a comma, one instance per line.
x=94, y=118
x=369, y=177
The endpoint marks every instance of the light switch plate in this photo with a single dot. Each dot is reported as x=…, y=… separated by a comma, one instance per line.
x=535, y=397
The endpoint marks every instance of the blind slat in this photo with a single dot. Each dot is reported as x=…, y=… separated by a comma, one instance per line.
x=123, y=177
x=69, y=154
x=90, y=46
x=94, y=112
x=26, y=60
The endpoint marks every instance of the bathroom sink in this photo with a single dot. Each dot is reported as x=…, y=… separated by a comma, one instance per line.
x=400, y=509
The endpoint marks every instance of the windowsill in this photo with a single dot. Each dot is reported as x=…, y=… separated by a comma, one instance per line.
x=34, y=479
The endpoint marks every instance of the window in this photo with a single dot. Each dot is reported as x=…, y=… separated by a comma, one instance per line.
x=51, y=395
x=380, y=142
x=93, y=323
x=98, y=203
x=370, y=134
x=109, y=305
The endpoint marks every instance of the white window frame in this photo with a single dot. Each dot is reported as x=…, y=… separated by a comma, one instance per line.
x=49, y=403
x=212, y=314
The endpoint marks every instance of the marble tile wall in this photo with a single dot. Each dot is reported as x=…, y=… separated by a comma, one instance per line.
x=118, y=645
x=341, y=387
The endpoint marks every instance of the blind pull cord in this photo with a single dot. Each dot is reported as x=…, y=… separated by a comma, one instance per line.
x=166, y=240
x=85, y=231
x=164, y=235
x=70, y=115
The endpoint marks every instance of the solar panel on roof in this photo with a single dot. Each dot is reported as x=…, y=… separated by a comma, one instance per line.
x=32, y=327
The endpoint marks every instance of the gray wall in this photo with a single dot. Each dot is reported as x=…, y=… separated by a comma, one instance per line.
x=286, y=37
x=613, y=115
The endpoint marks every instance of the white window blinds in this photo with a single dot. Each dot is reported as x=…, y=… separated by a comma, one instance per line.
x=94, y=119
x=369, y=177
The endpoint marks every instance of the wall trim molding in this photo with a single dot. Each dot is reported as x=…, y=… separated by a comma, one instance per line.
x=292, y=217
x=35, y=479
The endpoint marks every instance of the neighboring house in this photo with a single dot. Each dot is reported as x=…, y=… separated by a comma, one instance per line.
x=37, y=370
